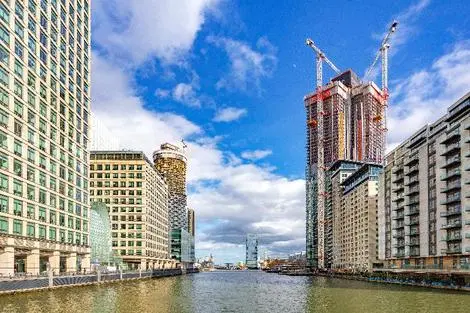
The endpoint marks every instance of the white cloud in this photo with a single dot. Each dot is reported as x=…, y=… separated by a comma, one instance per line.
x=225, y=191
x=229, y=114
x=185, y=93
x=256, y=154
x=247, y=66
x=425, y=95
x=136, y=30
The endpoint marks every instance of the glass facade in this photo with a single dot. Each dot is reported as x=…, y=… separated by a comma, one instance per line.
x=100, y=234
x=252, y=251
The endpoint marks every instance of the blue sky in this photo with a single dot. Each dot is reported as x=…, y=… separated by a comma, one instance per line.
x=229, y=77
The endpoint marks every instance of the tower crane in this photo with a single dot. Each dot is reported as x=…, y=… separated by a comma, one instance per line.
x=383, y=53
x=320, y=57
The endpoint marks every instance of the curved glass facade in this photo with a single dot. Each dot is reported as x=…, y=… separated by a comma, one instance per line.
x=100, y=234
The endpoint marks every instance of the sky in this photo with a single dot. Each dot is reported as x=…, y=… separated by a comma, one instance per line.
x=229, y=77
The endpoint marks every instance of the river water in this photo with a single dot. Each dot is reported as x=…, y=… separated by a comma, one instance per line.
x=239, y=291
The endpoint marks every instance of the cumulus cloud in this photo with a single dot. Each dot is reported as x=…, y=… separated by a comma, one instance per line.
x=256, y=154
x=247, y=65
x=229, y=114
x=425, y=95
x=133, y=31
x=230, y=196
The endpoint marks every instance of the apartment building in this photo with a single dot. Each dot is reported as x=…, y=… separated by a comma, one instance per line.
x=424, y=207
x=44, y=112
x=137, y=199
x=354, y=205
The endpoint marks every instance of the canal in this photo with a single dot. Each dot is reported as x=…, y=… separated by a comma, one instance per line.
x=245, y=292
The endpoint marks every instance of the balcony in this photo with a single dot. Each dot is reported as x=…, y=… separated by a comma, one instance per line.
x=399, y=245
x=451, y=187
x=398, y=216
x=451, y=148
x=454, y=224
x=412, y=201
x=412, y=190
x=400, y=254
x=412, y=222
x=413, y=243
x=450, y=174
x=414, y=232
x=452, y=161
x=452, y=250
x=414, y=252
x=411, y=159
x=412, y=181
x=451, y=212
x=398, y=178
x=412, y=169
x=412, y=211
x=449, y=200
x=399, y=197
x=399, y=235
x=398, y=226
x=454, y=237
x=398, y=188
x=397, y=168
x=451, y=135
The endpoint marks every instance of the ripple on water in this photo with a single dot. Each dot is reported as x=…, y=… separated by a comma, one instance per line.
x=244, y=292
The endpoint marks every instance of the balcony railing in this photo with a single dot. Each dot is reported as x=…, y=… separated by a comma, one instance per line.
x=412, y=222
x=453, y=134
x=451, y=174
x=412, y=190
x=450, y=212
x=398, y=216
x=398, y=178
x=455, y=224
x=454, y=237
x=412, y=169
x=452, y=161
x=411, y=159
x=451, y=148
x=412, y=201
x=412, y=211
x=412, y=181
x=450, y=200
x=451, y=187
x=452, y=250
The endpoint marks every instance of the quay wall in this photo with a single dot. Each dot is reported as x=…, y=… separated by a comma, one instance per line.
x=15, y=285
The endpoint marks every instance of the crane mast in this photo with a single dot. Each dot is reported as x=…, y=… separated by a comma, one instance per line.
x=383, y=53
x=320, y=57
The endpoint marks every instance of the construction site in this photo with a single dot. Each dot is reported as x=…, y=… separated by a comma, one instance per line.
x=346, y=119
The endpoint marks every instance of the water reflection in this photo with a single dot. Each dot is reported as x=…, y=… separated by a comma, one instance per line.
x=251, y=292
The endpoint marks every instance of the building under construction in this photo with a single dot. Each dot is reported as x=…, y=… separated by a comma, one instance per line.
x=352, y=130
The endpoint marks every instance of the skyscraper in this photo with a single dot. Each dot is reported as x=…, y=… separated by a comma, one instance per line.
x=352, y=130
x=171, y=162
x=251, y=251
x=191, y=222
x=44, y=133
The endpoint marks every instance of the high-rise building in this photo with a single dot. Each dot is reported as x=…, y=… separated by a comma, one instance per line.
x=354, y=198
x=192, y=222
x=137, y=199
x=170, y=161
x=251, y=251
x=101, y=137
x=424, y=203
x=44, y=133
x=352, y=130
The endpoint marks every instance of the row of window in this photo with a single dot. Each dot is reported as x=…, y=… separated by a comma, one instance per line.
x=22, y=228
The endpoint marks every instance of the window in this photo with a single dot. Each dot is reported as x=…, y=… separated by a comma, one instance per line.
x=4, y=14
x=3, y=223
x=3, y=204
x=4, y=55
x=3, y=140
x=30, y=230
x=17, y=167
x=42, y=231
x=4, y=77
x=3, y=182
x=17, y=227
